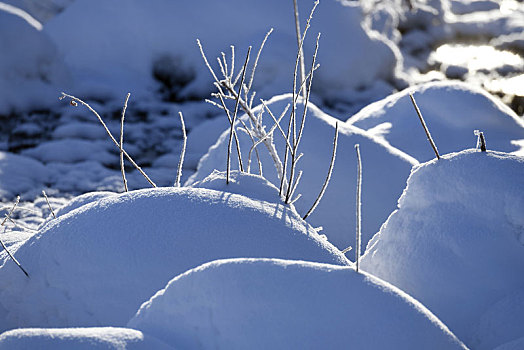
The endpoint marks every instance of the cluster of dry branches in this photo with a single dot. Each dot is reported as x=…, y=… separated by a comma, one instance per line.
x=235, y=87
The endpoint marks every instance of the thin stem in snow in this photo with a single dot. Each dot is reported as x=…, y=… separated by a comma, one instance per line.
x=182, y=152
x=228, y=169
x=300, y=48
x=73, y=98
x=481, y=141
x=49, y=204
x=358, y=207
x=8, y=215
x=252, y=77
x=228, y=114
x=421, y=118
x=122, y=143
x=13, y=258
x=330, y=171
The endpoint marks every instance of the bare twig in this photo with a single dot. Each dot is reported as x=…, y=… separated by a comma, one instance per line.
x=269, y=133
x=73, y=98
x=8, y=215
x=250, y=84
x=235, y=116
x=346, y=250
x=300, y=48
x=122, y=143
x=49, y=204
x=296, y=143
x=228, y=114
x=481, y=141
x=430, y=139
x=358, y=207
x=13, y=258
x=326, y=182
x=182, y=152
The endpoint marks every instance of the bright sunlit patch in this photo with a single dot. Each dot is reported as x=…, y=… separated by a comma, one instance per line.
x=511, y=86
x=475, y=57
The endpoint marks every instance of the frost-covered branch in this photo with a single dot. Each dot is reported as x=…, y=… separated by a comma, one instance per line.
x=328, y=177
x=182, y=152
x=122, y=143
x=358, y=208
x=421, y=118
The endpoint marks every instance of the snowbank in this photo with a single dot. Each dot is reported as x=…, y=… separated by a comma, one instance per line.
x=456, y=243
x=249, y=185
x=30, y=65
x=115, y=55
x=452, y=112
x=385, y=170
x=95, y=265
x=108, y=338
x=82, y=200
x=271, y=303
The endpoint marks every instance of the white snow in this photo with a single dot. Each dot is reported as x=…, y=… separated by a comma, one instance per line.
x=224, y=305
x=95, y=265
x=108, y=338
x=31, y=72
x=456, y=243
x=385, y=171
x=115, y=55
x=452, y=111
x=249, y=185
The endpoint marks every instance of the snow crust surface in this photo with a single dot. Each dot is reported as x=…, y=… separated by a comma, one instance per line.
x=223, y=305
x=456, y=244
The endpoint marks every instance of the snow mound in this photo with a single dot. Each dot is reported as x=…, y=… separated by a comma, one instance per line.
x=452, y=112
x=385, y=170
x=107, y=62
x=108, y=338
x=249, y=185
x=224, y=305
x=82, y=200
x=95, y=265
x=32, y=69
x=456, y=243
x=21, y=175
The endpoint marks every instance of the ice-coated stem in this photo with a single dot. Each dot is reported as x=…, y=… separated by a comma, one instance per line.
x=421, y=118
x=182, y=152
x=358, y=208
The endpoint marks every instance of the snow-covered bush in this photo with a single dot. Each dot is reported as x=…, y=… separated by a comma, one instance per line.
x=452, y=111
x=456, y=243
x=224, y=305
x=96, y=264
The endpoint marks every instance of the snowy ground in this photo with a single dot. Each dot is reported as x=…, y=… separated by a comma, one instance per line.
x=442, y=240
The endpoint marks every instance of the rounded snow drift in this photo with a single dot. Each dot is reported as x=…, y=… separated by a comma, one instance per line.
x=452, y=111
x=97, y=264
x=456, y=243
x=282, y=304
x=107, y=338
